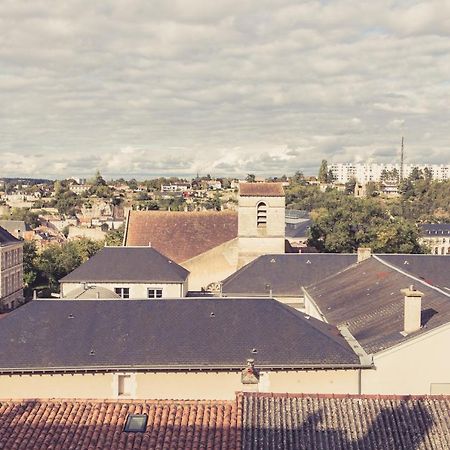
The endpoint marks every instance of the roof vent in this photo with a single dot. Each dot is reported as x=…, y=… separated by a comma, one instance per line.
x=92, y=352
x=254, y=350
x=307, y=317
x=212, y=315
x=308, y=262
x=70, y=316
x=169, y=261
x=272, y=260
x=406, y=262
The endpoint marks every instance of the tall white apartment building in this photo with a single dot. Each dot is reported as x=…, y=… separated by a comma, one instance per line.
x=363, y=173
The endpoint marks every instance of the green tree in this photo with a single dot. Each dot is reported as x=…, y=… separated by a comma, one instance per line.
x=250, y=178
x=323, y=171
x=30, y=218
x=115, y=237
x=30, y=273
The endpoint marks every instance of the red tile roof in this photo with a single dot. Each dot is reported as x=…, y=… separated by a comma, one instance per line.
x=95, y=425
x=181, y=235
x=336, y=422
x=261, y=190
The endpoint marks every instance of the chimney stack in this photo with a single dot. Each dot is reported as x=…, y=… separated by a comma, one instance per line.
x=412, y=309
x=364, y=253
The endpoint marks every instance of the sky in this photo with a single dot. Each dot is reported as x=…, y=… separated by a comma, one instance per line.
x=226, y=87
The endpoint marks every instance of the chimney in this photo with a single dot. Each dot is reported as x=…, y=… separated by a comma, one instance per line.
x=364, y=253
x=412, y=309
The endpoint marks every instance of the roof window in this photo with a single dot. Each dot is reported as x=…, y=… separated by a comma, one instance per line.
x=136, y=423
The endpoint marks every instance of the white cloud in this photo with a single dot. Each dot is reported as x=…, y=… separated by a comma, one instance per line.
x=145, y=87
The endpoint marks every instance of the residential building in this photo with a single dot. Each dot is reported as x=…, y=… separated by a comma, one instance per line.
x=11, y=271
x=396, y=316
x=366, y=172
x=16, y=227
x=187, y=348
x=175, y=187
x=130, y=272
x=436, y=236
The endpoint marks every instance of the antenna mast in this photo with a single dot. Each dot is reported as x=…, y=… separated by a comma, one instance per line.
x=401, y=162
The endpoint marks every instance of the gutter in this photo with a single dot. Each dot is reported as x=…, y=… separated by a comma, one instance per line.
x=177, y=368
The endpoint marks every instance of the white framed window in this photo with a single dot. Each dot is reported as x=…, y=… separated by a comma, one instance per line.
x=153, y=292
x=122, y=291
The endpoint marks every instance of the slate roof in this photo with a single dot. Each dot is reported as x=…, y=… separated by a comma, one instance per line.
x=7, y=238
x=433, y=269
x=324, y=422
x=284, y=274
x=261, y=190
x=206, y=333
x=96, y=424
x=435, y=229
x=366, y=297
x=299, y=229
x=128, y=264
x=181, y=235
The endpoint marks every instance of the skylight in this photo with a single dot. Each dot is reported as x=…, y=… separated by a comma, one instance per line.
x=136, y=423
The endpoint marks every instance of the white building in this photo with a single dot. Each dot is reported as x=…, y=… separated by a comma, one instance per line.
x=364, y=173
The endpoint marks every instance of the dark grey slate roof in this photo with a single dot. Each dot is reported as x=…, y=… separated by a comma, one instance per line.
x=366, y=298
x=434, y=269
x=284, y=274
x=344, y=422
x=435, y=229
x=7, y=238
x=180, y=333
x=298, y=230
x=133, y=264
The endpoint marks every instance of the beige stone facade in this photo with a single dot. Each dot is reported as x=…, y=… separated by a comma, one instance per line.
x=11, y=275
x=175, y=385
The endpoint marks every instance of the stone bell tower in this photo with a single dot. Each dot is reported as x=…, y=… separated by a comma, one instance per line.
x=261, y=224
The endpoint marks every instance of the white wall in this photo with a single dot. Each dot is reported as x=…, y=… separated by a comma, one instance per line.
x=412, y=367
x=137, y=290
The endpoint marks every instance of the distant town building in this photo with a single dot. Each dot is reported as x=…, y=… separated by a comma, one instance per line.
x=436, y=236
x=175, y=187
x=363, y=173
x=11, y=271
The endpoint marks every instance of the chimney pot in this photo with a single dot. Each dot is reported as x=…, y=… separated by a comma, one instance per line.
x=412, y=309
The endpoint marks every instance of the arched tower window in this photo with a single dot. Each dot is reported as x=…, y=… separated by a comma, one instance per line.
x=261, y=215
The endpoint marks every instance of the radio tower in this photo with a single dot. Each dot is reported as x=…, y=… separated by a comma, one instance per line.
x=401, y=162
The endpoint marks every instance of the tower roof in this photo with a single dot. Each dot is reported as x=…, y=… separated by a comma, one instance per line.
x=261, y=190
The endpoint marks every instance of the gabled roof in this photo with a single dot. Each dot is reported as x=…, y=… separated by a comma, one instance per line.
x=7, y=238
x=261, y=190
x=366, y=297
x=128, y=264
x=337, y=422
x=433, y=269
x=202, y=334
x=181, y=235
x=284, y=274
x=97, y=424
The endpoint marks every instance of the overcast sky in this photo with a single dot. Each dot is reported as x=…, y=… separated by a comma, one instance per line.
x=227, y=87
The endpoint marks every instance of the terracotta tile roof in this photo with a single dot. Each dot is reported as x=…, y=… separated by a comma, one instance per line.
x=95, y=425
x=324, y=422
x=181, y=235
x=261, y=190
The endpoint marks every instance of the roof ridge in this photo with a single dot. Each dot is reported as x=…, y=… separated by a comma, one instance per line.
x=329, y=277
x=393, y=267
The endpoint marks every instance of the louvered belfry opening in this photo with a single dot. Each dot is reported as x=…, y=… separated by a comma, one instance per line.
x=261, y=215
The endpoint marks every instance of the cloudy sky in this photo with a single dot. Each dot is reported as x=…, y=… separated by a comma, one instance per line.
x=148, y=87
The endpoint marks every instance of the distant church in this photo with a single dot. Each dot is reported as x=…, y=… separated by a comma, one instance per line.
x=212, y=245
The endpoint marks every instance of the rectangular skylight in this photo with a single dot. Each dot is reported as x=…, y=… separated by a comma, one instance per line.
x=136, y=423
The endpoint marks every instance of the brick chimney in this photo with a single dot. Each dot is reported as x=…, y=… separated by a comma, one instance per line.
x=364, y=253
x=412, y=309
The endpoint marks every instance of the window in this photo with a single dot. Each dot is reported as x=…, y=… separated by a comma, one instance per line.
x=261, y=215
x=124, y=385
x=123, y=292
x=136, y=423
x=154, y=293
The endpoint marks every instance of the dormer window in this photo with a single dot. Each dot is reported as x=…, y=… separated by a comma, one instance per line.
x=261, y=215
